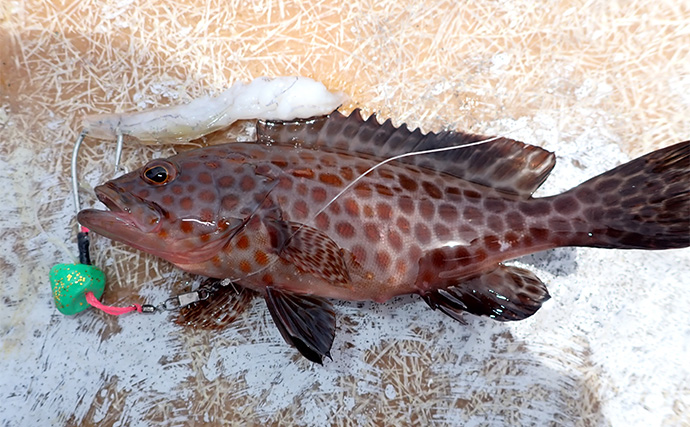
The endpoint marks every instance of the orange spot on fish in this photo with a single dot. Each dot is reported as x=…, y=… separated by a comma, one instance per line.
x=401, y=267
x=383, y=190
x=205, y=178
x=285, y=182
x=334, y=208
x=362, y=190
x=207, y=196
x=206, y=215
x=407, y=183
x=330, y=179
x=385, y=173
x=346, y=173
x=448, y=213
x=432, y=190
x=247, y=183
x=301, y=209
x=186, y=203
x=371, y=231
x=328, y=160
x=303, y=173
x=205, y=237
x=384, y=211
x=318, y=194
x=406, y=205
x=427, y=209
x=359, y=253
x=322, y=221
x=267, y=279
x=395, y=240
x=403, y=224
x=245, y=266
x=422, y=233
x=260, y=257
x=229, y=202
x=383, y=260
x=307, y=156
x=186, y=227
x=242, y=242
x=226, y=181
x=345, y=229
x=351, y=207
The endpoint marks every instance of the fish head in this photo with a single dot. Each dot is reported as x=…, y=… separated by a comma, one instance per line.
x=171, y=208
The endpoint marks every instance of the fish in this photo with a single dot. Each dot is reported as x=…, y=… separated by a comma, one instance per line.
x=341, y=207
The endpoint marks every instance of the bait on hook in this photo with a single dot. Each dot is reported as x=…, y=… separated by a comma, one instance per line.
x=77, y=286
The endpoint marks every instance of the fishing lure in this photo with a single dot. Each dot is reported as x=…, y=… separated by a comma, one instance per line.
x=342, y=207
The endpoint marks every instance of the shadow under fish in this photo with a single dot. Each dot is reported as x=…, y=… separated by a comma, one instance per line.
x=337, y=207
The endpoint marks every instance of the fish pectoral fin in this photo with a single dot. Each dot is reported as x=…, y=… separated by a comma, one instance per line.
x=306, y=322
x=313, y=251
x=505, y=293
x=218, y=311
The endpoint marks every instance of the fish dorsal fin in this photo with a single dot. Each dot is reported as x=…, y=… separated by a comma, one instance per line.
x=504, y=164
x=306, y=322
x=505, y=293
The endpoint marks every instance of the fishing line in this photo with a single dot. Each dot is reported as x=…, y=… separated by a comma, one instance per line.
x=368, y=171
x=75, y=287
x=399, y=156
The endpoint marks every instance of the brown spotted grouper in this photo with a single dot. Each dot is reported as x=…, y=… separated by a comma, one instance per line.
x=287, y=217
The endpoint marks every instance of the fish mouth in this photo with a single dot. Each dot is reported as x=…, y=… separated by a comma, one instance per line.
x=128, y=216
x=108, y=195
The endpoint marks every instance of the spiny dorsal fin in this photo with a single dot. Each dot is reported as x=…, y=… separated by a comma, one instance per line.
x=504, y=164
x=506, y=293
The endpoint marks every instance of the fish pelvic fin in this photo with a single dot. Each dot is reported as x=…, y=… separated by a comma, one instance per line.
x=505, y=293
x=642, y=204
x=219, y=311
x=305, y=322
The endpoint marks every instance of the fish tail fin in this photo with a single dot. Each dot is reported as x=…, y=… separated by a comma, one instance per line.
x=642, y=204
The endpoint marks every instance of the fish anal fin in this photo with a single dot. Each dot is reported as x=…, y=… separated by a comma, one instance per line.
x=504, y=164
x=219, y=310
x=305, y=322
x=313, y=251
x=505, y=293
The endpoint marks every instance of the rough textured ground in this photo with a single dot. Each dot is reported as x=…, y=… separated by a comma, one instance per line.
x=597, y=82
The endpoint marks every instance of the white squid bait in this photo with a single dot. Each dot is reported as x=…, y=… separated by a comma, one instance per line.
x=265, y=98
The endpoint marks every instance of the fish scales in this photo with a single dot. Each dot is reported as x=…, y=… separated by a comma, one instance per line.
x=311, y=212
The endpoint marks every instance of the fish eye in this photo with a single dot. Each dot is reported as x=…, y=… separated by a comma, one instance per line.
x=159, y=172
